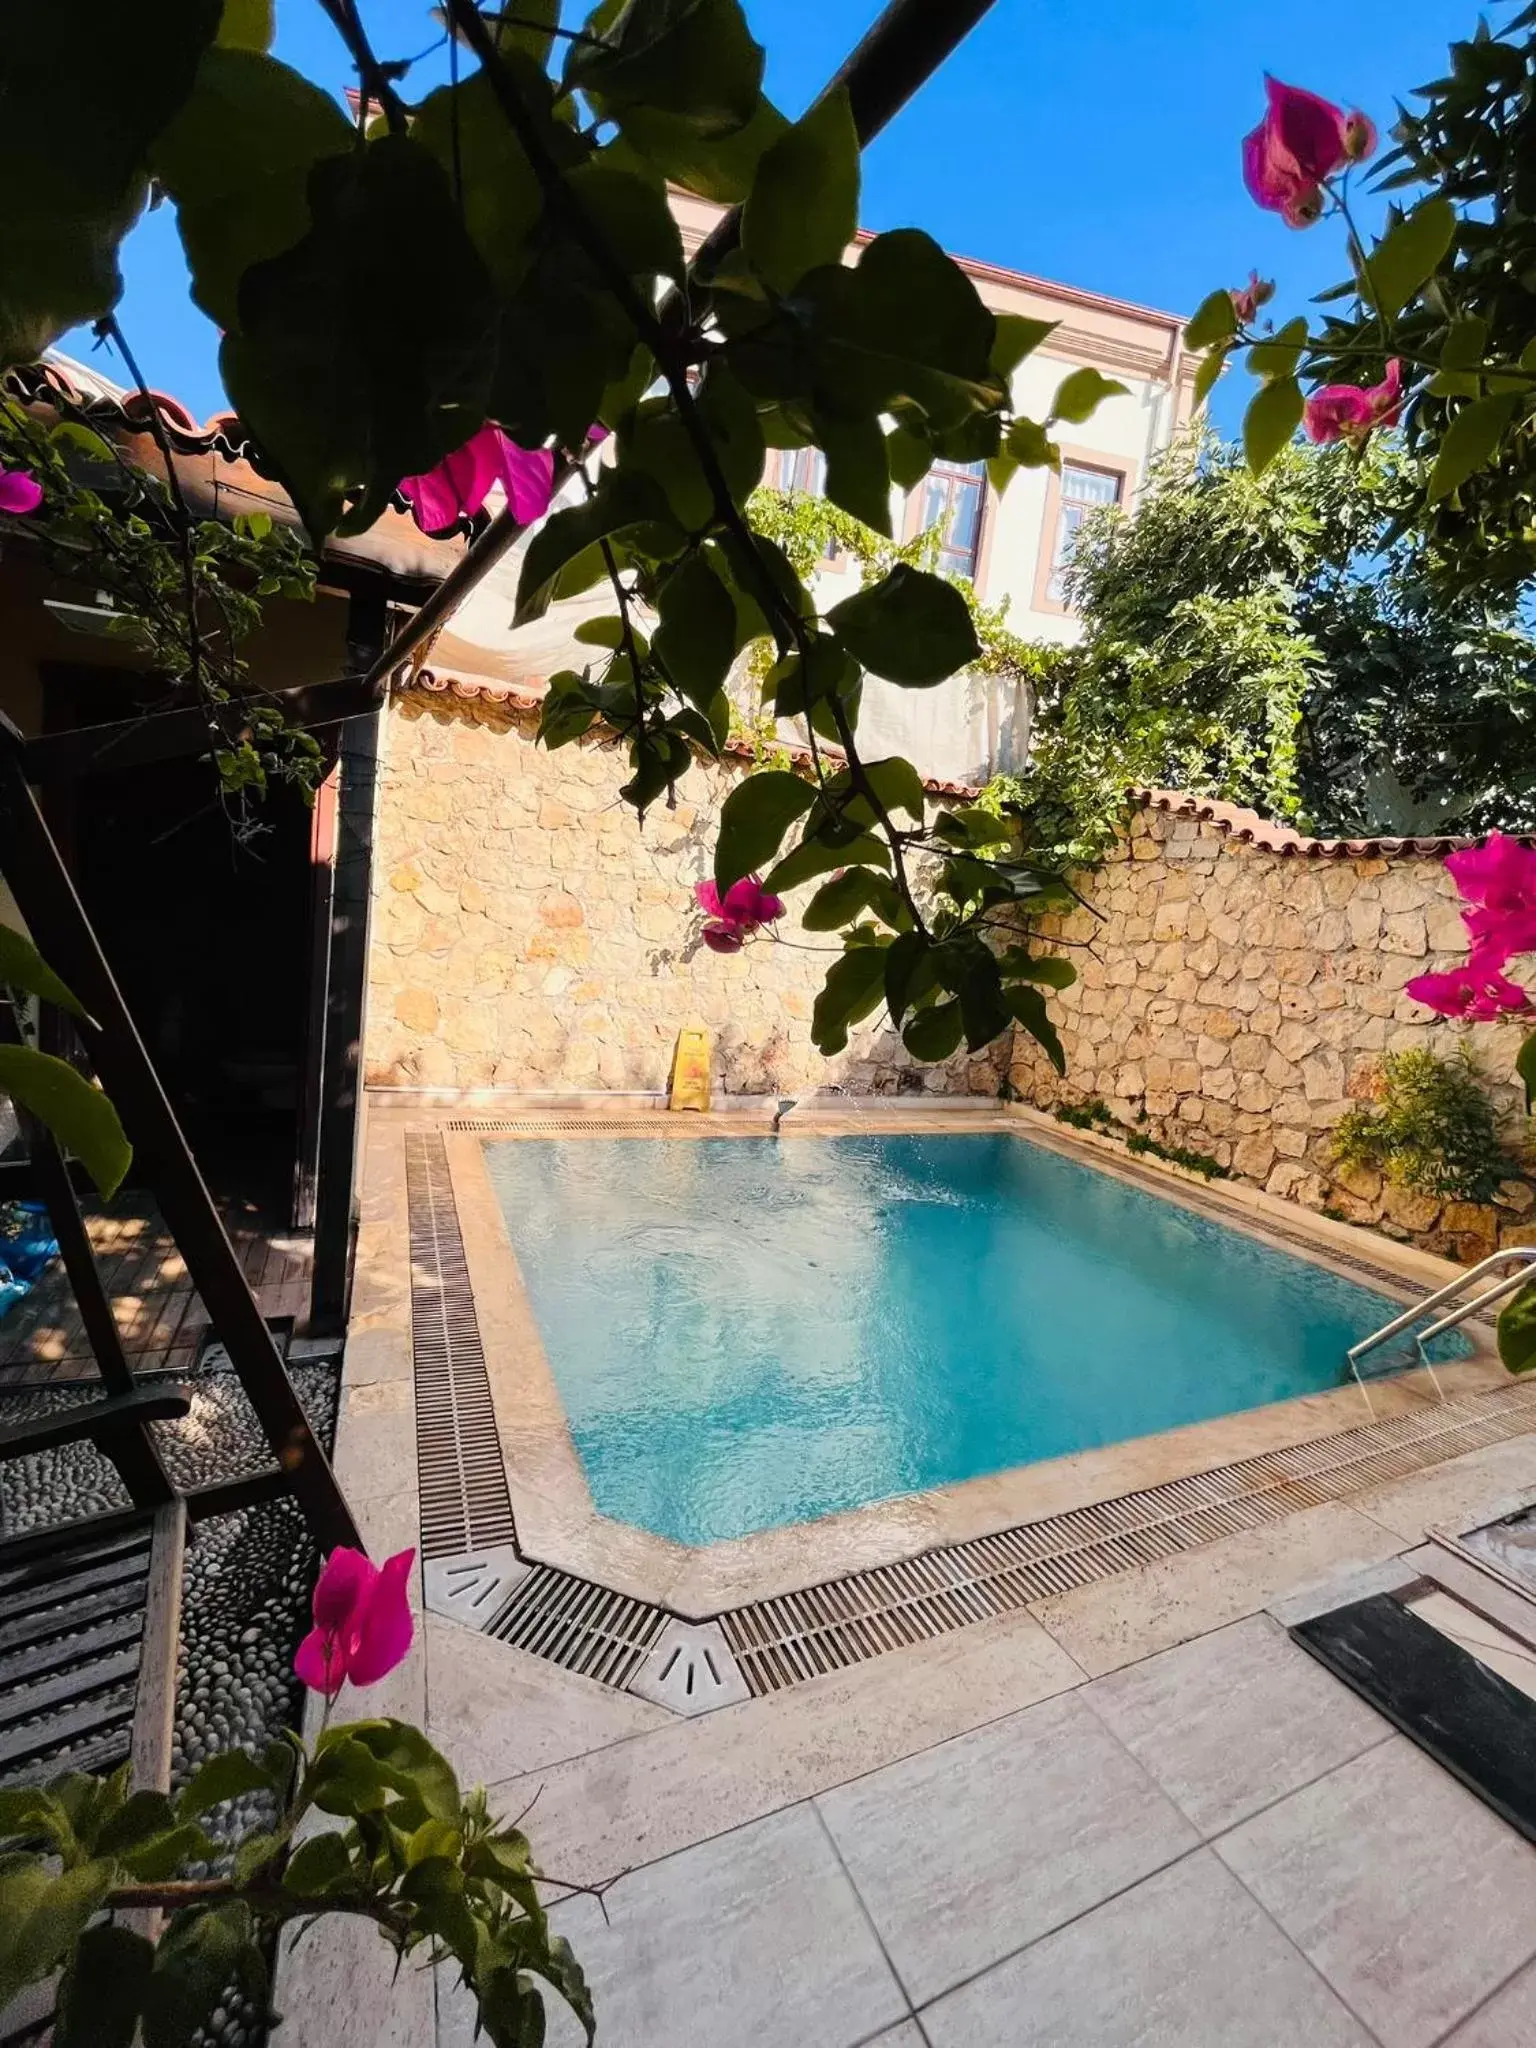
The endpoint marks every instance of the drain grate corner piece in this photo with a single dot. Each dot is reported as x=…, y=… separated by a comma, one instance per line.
x=691, y=1670
x=472, y=1589
x=580, y=1626
x=465, y=1504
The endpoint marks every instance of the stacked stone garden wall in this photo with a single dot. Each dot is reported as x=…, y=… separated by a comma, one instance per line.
x=529, y=935
x=1235, y=1002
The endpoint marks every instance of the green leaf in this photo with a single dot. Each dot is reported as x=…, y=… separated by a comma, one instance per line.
x=102, y=1988
x=80, y=1117
x=914, y=298
x=606, y=632
x=934, y=1033
x=1517, y=1330
x=983, y=1011
x=321, y=1863
x=1211, y=367
x=247, y=25
x=229, y=1775
x=1027, y=1007
x=911, y=971
x=1016, y=337
x=568, y=710
x=1279, y=356
x=503, y=200
x=898, y=785
x=813, y=857
x=692, y=59
x=840, y=901
x=1080, y=394
x=625, y=502
x=1031, y=447
x=1215, y=320
x=1461, y=356
x=632, y=215
x=200, y=1954
x=1047, y=968
x=1471, y=440
x=345, y=403
x=23, y=967
x=908, y=456
x=84, y=91
x=42, y=1915
x=696, y=640
x=409, y=1765
x=801, y=683
x=1525, y=1067
x=718, y=167
x=753, y=821
x=911, y=627
x=162, y=1856
x=237, y=160
x=803, y=209
x=1408, y=254
x=30, y=1814
x=1273, y=415
x=855, y=985
x=858, y=473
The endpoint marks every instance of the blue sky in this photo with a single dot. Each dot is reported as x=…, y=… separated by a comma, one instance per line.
x=1097, y=144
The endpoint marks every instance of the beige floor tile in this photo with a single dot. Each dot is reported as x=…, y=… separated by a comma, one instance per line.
x=756, y=1940
x=1022, y=1826
x=1185, y=1960
x=1508, y=2020
x=339, y=1986
x=1410, y=1897
x=1457, y=1494
x=1137, y=1613
x=658, y=1793
x=498, y=1712
x=1234, y=1720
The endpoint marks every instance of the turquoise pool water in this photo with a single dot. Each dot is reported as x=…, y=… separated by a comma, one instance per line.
x=749, y=1331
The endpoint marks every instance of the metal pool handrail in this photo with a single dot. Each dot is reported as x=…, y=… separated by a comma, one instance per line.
x=1523, y=1255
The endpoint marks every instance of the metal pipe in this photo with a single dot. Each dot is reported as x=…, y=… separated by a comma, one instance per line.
x=1525, y=1255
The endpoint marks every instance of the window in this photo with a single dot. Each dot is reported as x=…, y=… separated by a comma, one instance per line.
x=953, y=494
x=803, y=470
x=1083, y=491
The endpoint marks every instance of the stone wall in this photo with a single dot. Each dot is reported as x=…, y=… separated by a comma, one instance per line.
x=1235, y=1001
x=528, y=934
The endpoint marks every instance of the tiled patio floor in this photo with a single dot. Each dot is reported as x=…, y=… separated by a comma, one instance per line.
x=157, y=1309
x=1135, y=1813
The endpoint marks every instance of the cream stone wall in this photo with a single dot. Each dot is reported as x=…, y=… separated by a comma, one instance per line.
x=528, y=934
x=1235, y=1002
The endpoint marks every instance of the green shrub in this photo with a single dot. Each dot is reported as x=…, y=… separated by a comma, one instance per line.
x=1431, y=1128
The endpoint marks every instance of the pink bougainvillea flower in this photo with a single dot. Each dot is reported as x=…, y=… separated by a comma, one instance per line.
x=1348, y=412
x=1258, y=291
x=1476, y=991
x=734, y=917
x=1301, y=141
x=461, y=482
x=19, y=493
x=362, y=1617
x=1499, y=879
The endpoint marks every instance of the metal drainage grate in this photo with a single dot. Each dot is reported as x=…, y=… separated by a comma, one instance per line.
x=465, y=1505
x=803, y=1635
x=580, y=1626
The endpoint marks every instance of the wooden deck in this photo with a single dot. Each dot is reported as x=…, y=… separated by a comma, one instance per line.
x=157, y=1308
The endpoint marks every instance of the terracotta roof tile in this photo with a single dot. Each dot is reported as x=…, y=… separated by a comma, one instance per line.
x=1236, y=822
x=527, y=693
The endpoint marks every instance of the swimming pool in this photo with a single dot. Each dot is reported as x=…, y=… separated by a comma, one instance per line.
x=748, y=1332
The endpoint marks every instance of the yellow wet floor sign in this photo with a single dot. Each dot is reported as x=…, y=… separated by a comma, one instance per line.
x=690, y=1072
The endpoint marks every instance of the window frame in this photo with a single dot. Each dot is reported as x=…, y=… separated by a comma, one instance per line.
x=982, y=545
x=1101, y=463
